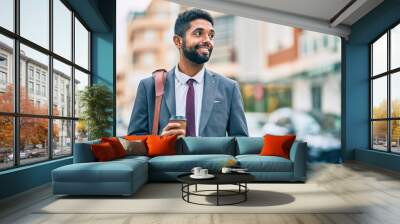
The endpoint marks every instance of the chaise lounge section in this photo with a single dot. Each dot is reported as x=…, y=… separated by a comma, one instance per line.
x=87, y=177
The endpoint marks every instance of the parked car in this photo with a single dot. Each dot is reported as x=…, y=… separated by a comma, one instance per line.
x=22, y=155
x=57, y=151
x=255, y=123
x=322, y=144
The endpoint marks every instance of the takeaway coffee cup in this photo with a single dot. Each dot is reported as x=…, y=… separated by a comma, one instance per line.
x=181, y=120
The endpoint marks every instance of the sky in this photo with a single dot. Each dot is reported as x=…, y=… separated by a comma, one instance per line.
x=6, y=13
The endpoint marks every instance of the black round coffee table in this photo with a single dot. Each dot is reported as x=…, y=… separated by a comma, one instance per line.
x=238, y=179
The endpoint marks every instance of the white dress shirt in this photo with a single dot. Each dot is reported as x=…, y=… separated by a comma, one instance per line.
x=181, y=89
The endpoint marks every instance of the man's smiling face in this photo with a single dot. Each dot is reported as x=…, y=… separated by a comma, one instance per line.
x=198, y=43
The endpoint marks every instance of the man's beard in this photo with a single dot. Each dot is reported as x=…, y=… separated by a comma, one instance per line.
x=192, y=54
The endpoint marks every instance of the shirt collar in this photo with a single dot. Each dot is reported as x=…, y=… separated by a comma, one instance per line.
x=183, y=78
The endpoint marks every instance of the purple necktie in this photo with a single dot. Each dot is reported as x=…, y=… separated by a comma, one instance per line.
x=190, y=110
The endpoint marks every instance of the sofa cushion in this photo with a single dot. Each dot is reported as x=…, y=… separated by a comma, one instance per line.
x=249, y=145
x=207, y=145
x=185, y=163
x=257, y=163
x=111, y=171
x=132, y=158
x=83, y=152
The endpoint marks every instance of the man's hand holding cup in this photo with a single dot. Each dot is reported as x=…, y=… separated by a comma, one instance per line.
x=175, y=126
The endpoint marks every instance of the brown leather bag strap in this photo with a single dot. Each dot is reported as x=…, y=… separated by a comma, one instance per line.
x=160, y=76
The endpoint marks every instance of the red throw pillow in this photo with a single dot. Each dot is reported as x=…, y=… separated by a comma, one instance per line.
x=277, y=145
x=116, y=145
x=161, y=145
x=103, y=151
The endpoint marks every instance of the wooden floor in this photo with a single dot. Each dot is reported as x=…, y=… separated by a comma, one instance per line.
x=378, y=188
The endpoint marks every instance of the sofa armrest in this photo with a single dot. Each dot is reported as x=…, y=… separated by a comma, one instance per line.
x=298, y=155
x=83, y=152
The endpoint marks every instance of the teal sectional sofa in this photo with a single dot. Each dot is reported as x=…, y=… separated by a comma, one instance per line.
x=125, y=176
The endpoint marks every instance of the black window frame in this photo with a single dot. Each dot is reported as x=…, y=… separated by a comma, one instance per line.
x=388, y=74
x=16, y=115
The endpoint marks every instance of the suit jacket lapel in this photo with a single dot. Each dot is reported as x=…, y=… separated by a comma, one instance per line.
x=209, y=92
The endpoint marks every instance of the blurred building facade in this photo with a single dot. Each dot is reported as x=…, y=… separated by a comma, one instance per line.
x=149, y=46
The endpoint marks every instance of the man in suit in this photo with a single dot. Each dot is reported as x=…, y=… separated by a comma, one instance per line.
x=211, y=103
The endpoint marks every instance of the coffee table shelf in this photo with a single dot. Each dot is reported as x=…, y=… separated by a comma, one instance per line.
x=238, y=179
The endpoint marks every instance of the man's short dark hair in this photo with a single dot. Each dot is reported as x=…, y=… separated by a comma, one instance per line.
x=182, y=23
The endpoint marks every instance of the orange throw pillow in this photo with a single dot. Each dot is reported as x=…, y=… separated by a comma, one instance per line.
x=136, y=137
x=103, y=151
x=161, y=145
x=277, y=145
x=116, y=145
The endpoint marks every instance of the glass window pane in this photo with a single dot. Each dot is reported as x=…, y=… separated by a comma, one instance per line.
x=62, y=29
x=395, y=136
x=62, y=138
x=395, y=94
x=379, y=97
x=81, y=131
x=395, y=47
x=35, y=21
x=6, y=74
x=33, y=140
x=379, y=135
x=34, y=72
x=379, y=55
x=6, y=142
x=7, y=14
x=81, y=81
x=81, y=45
x=62, y=89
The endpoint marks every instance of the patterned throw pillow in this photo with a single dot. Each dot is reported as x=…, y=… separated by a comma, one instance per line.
x=134, y=147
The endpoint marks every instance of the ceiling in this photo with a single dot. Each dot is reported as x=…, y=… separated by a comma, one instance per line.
x=325, y=16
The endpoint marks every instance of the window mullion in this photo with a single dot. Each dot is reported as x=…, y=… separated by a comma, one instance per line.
x=73, y=83
x=89, y=55
x=389, y=93
x=16, y=84
x=50, y=81
x=371, y=98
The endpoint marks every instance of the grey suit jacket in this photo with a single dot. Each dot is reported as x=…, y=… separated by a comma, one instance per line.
x=221, y=112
